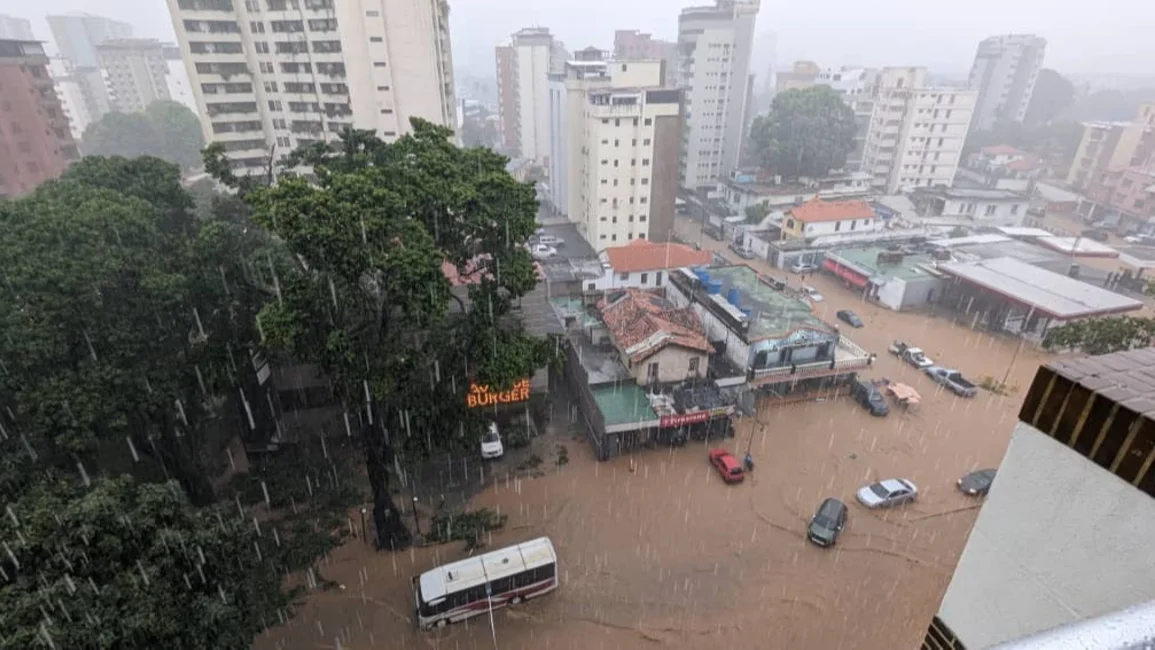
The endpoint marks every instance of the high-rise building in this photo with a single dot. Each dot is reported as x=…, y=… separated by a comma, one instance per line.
x=136, y=70
x=77, y=36
x=800, y=76
x=632, y=45
x=916, y=132
x=714, y=47
x=1107, y=146
x=628, y=162
x=567, y=96
x=530, y=58
x=509, y=134
x=176, y=78
x=70, y=90
x=36, y=142
x=15, y=29
x=1062, y=538
x=1004, y=74
x=275, y=73
x=857, y=87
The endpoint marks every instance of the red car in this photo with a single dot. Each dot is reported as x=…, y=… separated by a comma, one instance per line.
x=728, y=466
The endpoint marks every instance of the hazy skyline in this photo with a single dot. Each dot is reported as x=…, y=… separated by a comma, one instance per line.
x=897, y=32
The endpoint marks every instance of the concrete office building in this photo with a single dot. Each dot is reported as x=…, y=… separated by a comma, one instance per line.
x=1004, y=74
x=1109, y=146
x=15, y=29
x=632, y=45
x=567, y=96
x=714, y=48
x=1062, y=538
x=77, y=36
x=36, y=143
x=628, y=164
x=270, y=73
x=136, y=71
x=524, y=67
x=916, y=132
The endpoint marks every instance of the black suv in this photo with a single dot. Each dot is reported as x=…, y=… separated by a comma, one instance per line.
x=868, y=395
x=827, y=523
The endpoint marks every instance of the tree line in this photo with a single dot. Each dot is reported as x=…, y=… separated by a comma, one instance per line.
x=130, y=316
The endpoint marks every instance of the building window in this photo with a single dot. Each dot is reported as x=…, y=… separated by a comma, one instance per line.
x=624, y=277
x=837, y=226
x=613, y=237
x=261, y=47
x=641, y=235
x=693, y=367
x=265, y=67
x=646, y=142
x=652, y=372
x=378, y=64
x=649, y=121
x=658, y=275
x=257, y=27
x=1015, y=208
x=990, y=211
x=270, y=86
x=645, y=276
x=375, y=39
x=591, y=286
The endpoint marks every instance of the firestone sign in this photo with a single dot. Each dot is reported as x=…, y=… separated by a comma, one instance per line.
x=667, y=421
x=481, y=395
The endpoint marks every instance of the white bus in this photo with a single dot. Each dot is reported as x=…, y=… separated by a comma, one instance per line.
x=459, y=590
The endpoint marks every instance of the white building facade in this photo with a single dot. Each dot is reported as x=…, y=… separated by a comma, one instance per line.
x=857, y=87
x=176, y=78
x=70, y=90
x=567, y=94
x=136, y=72
x=1004, y=74
x=16, y=29
x=916, y=133
x=535, y=57
x=626, y=171
x=714, y=47
x=269, y=75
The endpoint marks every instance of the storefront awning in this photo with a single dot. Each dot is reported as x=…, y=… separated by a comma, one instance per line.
x=855, y=278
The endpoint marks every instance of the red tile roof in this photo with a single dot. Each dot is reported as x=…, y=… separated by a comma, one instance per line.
x=645, y=255
x=817, y=210
x=641, y=323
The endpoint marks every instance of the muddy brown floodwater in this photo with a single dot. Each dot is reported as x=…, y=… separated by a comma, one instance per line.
x=667, y=556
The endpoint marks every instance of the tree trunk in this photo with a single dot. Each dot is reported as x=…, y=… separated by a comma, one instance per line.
x=390, y=531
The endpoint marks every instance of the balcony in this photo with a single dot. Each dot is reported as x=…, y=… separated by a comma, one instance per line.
x=848, y=357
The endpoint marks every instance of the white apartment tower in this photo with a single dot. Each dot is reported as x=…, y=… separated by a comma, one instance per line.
x=714, y=47
x=136, y=72
x=1004, y=74
x=532, y=56
x=176, y=77
x=627, y=161
x=70, y=90
x=857, y=87
x=916, y=132
x=286, y=73
x=567, y=94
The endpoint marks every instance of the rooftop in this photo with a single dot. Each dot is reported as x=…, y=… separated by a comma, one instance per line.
x=643, y=322
x=817, y=210
x=969, y=193
x=1052, y=293
x=912, y=266
x=645, y=255
x=772, y=313
x=1078, y=246
x=1126, y=378
x=623, y=403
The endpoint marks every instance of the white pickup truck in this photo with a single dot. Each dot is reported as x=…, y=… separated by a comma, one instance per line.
x=912, y=355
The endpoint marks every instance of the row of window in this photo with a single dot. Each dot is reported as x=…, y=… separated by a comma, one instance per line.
x=633, y=143
x=641, y=217
x=614, y=237
x=645, y=181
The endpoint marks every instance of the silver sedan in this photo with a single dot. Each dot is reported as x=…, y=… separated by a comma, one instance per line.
x=891, y=492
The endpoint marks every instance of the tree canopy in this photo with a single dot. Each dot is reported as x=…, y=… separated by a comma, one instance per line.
x=166, y=129
x=1102, y=335
x=478, y=130
x=369, y=301
x=806, y=134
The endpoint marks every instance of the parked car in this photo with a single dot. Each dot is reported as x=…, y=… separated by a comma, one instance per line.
x=744, y=253
x=812, y=293
x=803, y=267
x=977, y=483
x=912, y=355
x=551, y=240
x=542, y=252
x=728, y=466
x=884, y=494
x=1096, y=234
x=868, y=395
x=827, y=523
x=953, y=380
x=849, y=317
x=491, y=446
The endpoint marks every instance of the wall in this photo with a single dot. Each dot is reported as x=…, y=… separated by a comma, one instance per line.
x=558, y=145
x=36, y=142
x=922, y=291
x=1059, y=539
x=737, y=351
x=612, y=280
x=673, y=365
x=533, y=99
x=796, y=228
x=507, y=96
x=1005, y=213
x=664, y=181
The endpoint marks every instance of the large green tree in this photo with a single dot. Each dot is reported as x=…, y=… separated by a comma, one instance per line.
x=166, y=129
x=127, y=323
x=1102, y=335
x=806, y=134
x=369, y=301
x=121, y=565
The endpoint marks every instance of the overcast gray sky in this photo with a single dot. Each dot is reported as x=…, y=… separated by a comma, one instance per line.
x=1099, y=36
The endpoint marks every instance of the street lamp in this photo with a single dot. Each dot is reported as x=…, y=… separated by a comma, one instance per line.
x=416, y=522
x=364, y=530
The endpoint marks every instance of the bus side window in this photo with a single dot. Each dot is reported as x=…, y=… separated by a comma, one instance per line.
x=503, y=585
x=523, y=579
x=475, y=594
x=544, y=573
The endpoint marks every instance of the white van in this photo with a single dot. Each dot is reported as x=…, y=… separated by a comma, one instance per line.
x=812, y=293
x=491, y=443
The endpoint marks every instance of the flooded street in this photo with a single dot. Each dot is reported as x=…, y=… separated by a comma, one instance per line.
x=655, y=551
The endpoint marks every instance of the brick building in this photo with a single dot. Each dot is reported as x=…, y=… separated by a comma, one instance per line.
x=36, y=143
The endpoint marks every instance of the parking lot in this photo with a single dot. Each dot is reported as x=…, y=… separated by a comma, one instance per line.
x=655, y=550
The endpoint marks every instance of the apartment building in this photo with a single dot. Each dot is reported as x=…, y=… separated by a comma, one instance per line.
x=510, y=136
x=77, y=35
x=916, y=132
x=1061, y=539
x=632, y=45
x=136, y=71
x=1113, y=145
x=714, y=47
x=628, y=164
x=1004, y=74
x=15, y=29
x=567, y=95
x=523, y=70
x=176, y=78
x=36, y=143
x=70, y=91
x=285, y=73
x=857, y=87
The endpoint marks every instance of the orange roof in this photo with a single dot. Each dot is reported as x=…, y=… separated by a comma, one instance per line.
x=643, y=322
x=1002, y=150
x=1024, y=164
x=645, y=255
x=817, y=210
